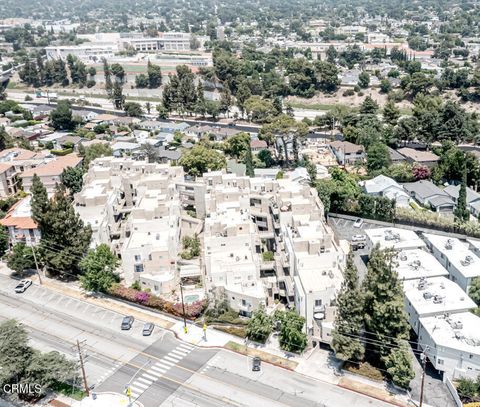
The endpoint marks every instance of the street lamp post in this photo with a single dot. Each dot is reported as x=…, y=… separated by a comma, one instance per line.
x=185, y=329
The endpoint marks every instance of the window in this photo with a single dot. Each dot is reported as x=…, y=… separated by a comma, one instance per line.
x=244, y=303
x=138, y=257
x=440, y=361
x=138, y=268
x=318, y=303
x=155, y=287
x=150, y=257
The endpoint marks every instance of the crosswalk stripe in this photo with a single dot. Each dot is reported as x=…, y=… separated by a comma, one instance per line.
x=179, y=352
x=186, y=347
x=149, y=376
x=134, y=395
x=136, y=387
x=157, y=369
x=172, y=358
x=165, y=363
x=140, y=385
x=146, y=381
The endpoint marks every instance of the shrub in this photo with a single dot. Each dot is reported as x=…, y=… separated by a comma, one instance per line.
x=233, y=330
x=192, y=311
x=267, y=256
x=364, y=369
x=62, y=152
x=142, y=297
x=349, y=92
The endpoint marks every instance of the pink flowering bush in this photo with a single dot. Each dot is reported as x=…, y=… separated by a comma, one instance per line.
x=192, y=310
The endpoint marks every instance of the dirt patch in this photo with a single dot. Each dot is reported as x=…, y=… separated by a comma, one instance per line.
x=266, y=357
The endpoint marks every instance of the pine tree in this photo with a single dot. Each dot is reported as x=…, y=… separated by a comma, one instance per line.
x=461, y=212
x=249, y=163
x=118, y=99
x=385, y=320
x=347, y=342
x=225, y=101
x=108, y=78
x=39, y=203
x=65, y=239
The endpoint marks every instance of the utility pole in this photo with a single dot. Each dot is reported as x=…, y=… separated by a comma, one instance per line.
x=80, y=356
x=423, y=357
x=185, y=329
x=36, y=265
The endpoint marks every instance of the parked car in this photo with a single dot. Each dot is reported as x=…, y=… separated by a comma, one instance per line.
x=127, y=322
x=148, y=329
x=359, y=238
x=22, y=286
x=257, y=362
x=358, y=223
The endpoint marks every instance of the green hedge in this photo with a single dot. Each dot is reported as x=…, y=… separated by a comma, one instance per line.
x=62, y=152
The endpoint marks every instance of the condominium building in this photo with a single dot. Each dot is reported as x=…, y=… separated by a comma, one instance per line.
x=20, y=225
x=49, y=172
x=134, y=207
x=427, y=297
x=8, y=180
x=452, y=344
x=414, y=264
x=393, y=238
x=456, y=257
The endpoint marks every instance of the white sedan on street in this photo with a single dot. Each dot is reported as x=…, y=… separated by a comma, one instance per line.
x=22, y=286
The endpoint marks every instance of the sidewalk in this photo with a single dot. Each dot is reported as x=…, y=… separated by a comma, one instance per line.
x=313, y=364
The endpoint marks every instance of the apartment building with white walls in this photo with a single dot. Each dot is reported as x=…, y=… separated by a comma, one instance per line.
x=456, y=256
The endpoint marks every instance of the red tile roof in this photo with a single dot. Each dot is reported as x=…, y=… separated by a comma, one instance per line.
x=55, y=167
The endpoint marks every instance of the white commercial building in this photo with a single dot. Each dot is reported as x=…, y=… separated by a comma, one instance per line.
x=393, y=238
x=86, y=52
x=462, y=264
x=433, y=296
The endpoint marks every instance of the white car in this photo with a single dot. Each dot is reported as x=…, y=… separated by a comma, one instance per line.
x=359, y=238
x=358, y=223
x=22, y=286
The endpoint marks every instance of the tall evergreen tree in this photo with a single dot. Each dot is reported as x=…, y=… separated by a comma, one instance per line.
x=39, y=203
x=65, y=238
x=461, y=211
x=347, y=342
x=108, y=78
x=249, y=163
x=385, y=320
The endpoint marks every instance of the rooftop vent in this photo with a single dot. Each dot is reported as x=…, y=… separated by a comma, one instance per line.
x=459, y=335
x=437, y=299
x=449, y=244
x=467, y=261
x=456, y=324
x=427, y=295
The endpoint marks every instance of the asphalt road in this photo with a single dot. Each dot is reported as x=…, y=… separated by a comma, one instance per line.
x=160, y=369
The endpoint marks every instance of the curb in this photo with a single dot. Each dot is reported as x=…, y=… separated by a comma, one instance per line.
x=373, y=397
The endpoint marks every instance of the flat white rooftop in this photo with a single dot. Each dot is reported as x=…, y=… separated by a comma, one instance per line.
x=319, y=280
x=417, y=263
x=457, y=253
x=460, y=331
x=395, y=238
x=436, y=295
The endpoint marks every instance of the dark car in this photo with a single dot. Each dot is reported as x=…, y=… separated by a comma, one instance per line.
x=148, y=329
x=127, y=323
x=257, y=362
